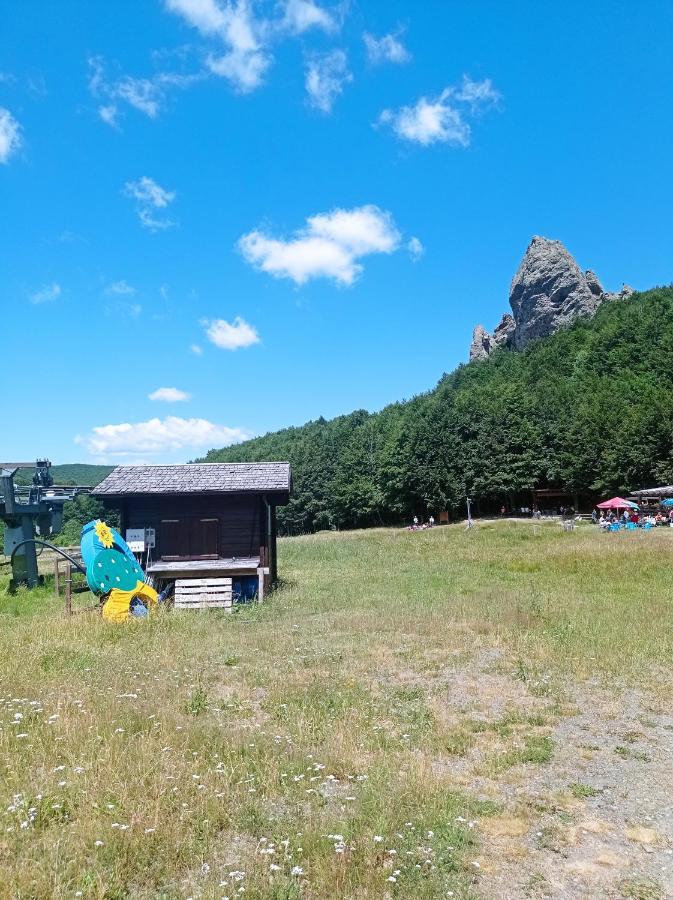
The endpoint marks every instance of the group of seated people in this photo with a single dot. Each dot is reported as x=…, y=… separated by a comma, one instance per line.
x=632, y=517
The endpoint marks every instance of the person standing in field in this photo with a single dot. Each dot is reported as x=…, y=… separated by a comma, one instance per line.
x=431, y=521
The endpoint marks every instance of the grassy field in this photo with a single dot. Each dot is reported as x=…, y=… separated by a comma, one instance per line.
x=367, y=733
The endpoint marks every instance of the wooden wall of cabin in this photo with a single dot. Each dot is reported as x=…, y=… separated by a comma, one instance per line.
x=231, y=525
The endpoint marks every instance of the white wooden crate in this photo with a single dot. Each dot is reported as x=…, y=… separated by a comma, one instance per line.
x=203, y=593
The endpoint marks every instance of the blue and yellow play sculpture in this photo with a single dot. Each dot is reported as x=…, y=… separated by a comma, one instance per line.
x=113, y=572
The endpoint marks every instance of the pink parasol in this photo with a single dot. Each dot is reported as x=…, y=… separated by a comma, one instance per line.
x=617, y=503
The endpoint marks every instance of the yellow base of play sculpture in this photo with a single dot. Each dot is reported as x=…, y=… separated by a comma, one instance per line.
x=116, y=608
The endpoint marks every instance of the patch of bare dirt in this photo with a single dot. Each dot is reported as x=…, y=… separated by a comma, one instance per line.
x=597, y=819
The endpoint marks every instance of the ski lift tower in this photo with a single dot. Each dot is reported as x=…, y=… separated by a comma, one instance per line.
x=25, y=511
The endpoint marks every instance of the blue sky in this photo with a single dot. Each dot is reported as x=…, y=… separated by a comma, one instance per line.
x=218, y=219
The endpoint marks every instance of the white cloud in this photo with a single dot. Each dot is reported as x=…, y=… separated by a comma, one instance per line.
x=108, y=113
x=158, y=436
x=245, y=59
x=326, y=75
x=10, y=135
x=147, y=95
x=150, y=197
x=442, y=119
x=206, y=15
x=477, y=92
x=329, y=246
x=196, y=349
x=169, y=395
x=415, y=248
x=387, y=48
x=230, y=336
x=46, y=294
x=300, y=15
x=120, y=288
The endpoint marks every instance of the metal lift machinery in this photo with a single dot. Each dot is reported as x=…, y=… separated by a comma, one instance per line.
x=27, y=511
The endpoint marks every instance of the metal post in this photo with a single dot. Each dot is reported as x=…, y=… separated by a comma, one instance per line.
x=470, y=523
x=57, y=572
x=68, y=592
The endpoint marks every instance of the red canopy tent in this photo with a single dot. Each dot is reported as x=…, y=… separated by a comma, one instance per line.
x=617, y=503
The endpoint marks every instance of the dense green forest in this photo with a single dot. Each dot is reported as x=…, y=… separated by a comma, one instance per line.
x=589, y=409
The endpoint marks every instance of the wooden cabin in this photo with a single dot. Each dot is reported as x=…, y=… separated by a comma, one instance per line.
x=210, y=522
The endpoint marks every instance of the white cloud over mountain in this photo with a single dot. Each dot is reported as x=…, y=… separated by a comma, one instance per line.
x=157, y=436
x=329, y=246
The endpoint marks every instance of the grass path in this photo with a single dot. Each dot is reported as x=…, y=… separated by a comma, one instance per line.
x=412, y=715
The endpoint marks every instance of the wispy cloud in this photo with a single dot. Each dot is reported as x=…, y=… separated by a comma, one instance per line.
x=387, y=48
x=230, y=335
x=326, y=75
x=415, y=248
x=443, y=119
x=150, y=199
x=120, y=289
x=169, y=395
x=157, y=436
x=10, y=135
x=47, y=293
x=147, y=95
x=300, y=15
x=196, y=349
x=329, y=246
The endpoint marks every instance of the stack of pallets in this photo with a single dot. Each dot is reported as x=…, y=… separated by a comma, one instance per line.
x=203, y=593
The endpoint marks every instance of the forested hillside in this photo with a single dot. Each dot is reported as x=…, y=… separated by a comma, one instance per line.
x=589, y=409
x=69, y=473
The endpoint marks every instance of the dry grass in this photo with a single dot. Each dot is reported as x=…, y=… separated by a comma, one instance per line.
x=292, y=749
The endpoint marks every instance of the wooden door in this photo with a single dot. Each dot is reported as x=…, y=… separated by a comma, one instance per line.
x=204, y=539
x=171, y=544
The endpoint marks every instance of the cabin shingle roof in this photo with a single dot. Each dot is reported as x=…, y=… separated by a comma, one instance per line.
x=206, y=478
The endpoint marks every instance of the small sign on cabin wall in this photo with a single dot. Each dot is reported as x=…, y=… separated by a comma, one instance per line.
x=135, y=538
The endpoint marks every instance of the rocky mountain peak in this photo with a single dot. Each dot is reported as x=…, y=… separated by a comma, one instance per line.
x=548, y=292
